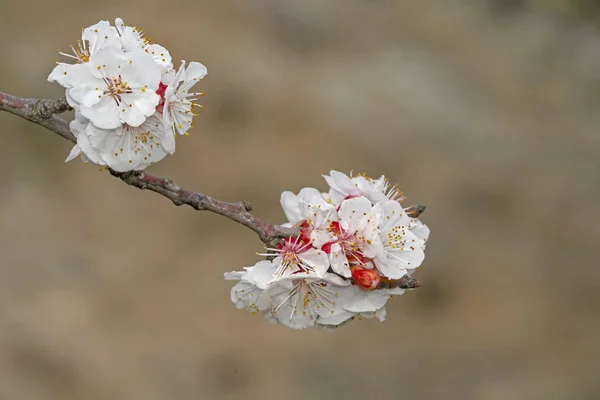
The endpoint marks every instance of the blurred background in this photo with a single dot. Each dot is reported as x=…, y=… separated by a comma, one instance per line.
x=485, y=111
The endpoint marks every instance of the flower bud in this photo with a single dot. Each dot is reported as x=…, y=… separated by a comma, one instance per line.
x=367, y=279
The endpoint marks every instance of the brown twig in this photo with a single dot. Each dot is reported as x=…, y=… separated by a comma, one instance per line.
x=41, y=112
x=415, y=210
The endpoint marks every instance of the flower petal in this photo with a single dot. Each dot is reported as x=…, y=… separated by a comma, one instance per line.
x=291, y=207
x=105, y=114
x=75, y=151
x=339, y=261
x=358, y=300
x=352, y=211
x=317, y=259
x=341, y=183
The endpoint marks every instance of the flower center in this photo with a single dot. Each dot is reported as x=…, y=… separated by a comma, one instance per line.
x=350, y=244
x=289, y=250
x=117, y=87
x=395, y=238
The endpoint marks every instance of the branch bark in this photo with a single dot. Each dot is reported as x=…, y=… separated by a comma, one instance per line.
x=42, y=112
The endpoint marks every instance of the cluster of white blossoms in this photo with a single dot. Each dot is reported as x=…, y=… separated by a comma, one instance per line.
x=354, y=241
x=129, y=101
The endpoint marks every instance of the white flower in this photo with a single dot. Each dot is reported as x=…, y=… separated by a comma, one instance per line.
x=372, y=236
x=343, y=186
x=297, y=300
x=295, y=255
x=177, y=109
x=403, y=250
x=300, y=300
x=125, y=148
x=132, y=39
x=93, y=39
x=355, y=239
x=309, y=210
x=129, y=148
x=345, y=262
x=115, y=87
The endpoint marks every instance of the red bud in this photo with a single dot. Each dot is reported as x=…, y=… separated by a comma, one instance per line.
x=367, y=279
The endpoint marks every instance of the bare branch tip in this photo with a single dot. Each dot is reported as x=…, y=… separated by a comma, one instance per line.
x=415, y=210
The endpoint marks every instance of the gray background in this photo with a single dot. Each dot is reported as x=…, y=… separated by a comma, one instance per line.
x=485, y=111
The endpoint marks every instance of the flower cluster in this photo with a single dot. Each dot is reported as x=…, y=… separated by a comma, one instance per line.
x=354, y=241
x=129, y=101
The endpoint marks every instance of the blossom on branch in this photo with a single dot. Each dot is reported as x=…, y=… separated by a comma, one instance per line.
x=129, y=101
x=355, y=243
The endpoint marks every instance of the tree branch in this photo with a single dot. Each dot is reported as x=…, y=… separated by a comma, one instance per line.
x=41, y=112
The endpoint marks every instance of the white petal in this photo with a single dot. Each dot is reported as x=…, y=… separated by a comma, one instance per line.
x=195, y=70
x=341, y=183
x=339, y=262
x=392, y=292
x=336, y=319
x=59, y=74
x=291, y=207
x=290, y=317
x=261, y=274
x=394, y=215
x=390, y=268
x=319, y=237
x=108, y=62
x=70, y=100
x=75, y=151
x=105, y=114
x=92, y=154
x=136, y=106
x=100, y=36
x=317, y=259
x=140, y=70
x=168, y=142
x=420, y=230
x=336, y=280
x=80, y=80
x=91, y=97
x=167, y=76
x=130, y=39
x=352, y=211
x=245, y=295
x=379, y=314
x=234, y=275
x=359, y=300
x=160, y=55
